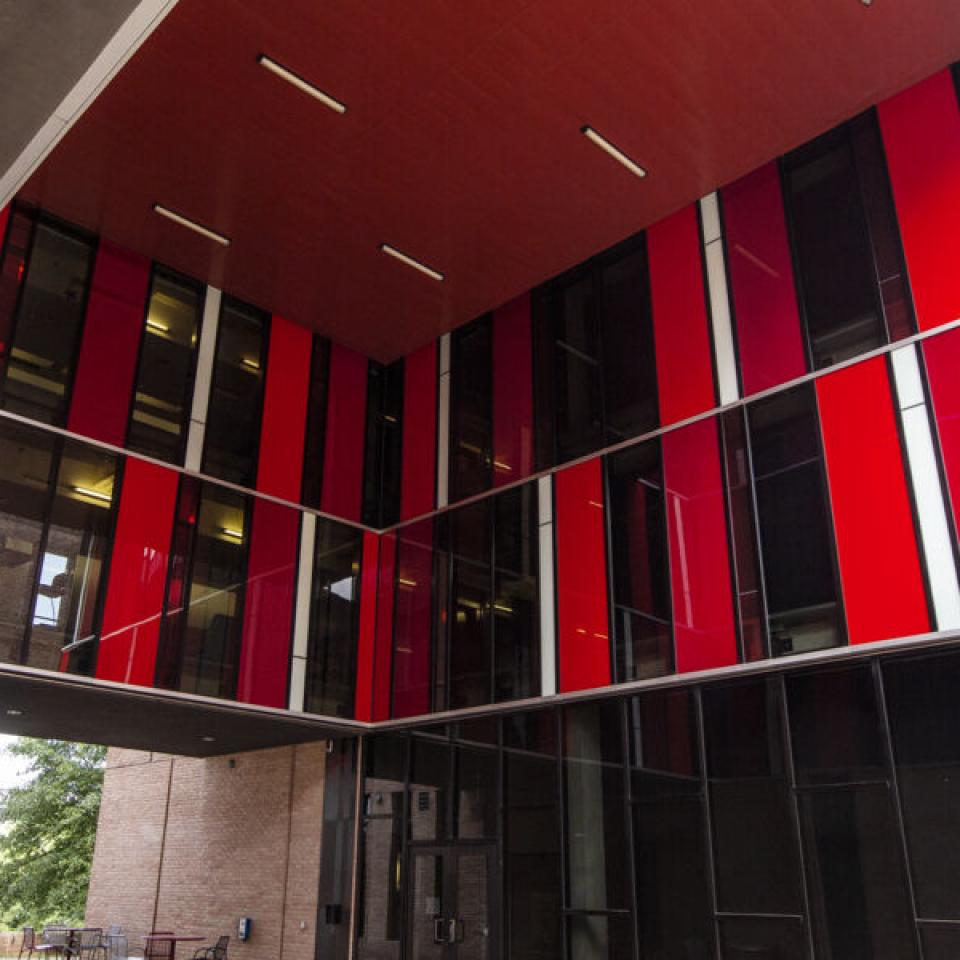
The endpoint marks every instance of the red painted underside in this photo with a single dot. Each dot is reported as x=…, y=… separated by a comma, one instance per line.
x=138, y=574
x=704, y=625
x=681, y=327
x=268, y=605
x=280, y=465
x=921, y=134
x=461, y=141
x=583, y=644
x=883, y=588
x=103, y=387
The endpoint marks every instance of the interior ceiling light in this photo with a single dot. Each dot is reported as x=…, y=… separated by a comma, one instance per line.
x=93, y=494
x=301, y=84
x=411, y=262
x=157, y=325
x=233, y=534
x=607, y=147
x=191, y=225
x=14, y=713
x=250, y=362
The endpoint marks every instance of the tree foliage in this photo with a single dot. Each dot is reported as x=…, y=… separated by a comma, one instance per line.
x=49, y=825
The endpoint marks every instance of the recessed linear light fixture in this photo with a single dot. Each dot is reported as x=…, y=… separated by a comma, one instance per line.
x=607, y=147
x=93, y=494
x=250, y=362
x=231, y=533
x=281, y=71
x=191, y=225
x=411, y=262
x=14, y=713
x=157, y=326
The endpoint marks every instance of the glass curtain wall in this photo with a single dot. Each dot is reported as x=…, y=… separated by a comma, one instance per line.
x=806, y=813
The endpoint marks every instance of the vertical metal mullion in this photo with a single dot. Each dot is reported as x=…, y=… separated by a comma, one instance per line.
x=881, y=696
x=562, y=811
x=696, y=693
x=786, y=744
x=625, y=704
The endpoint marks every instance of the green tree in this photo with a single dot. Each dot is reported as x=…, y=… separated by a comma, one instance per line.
x=49, y=825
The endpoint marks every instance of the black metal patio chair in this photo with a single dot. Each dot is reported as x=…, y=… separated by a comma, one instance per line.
x=217, y=951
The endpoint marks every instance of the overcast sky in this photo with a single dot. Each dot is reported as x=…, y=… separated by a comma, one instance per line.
x=11, y=772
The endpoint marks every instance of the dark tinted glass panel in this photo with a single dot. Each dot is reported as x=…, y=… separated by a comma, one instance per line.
x=200, y=638
x=478, y=776
x=595, y=373
x=413, y=621
x=925, y=722
x=27, y=471
x=430, y=789
x=755, y=842
x=162, y=394
x=334, y=619
x=316, y=421
x=471, y=409
x=881, y=217
x=643, y=634
x=515, y=601
x=743, y=531
x=535, y=732
x=752, y=938
x=236, y=397
x=592, y=937
x=46, y=332
x=831, y=243
x=629, y=361
x=940, y=942
x=669, y=826
x=16, y=246
x=381, y=896
x=384, y=444
x=56, y=517
x=796, y=538
x=835, y=727
x=858, y=890
x=594, y=797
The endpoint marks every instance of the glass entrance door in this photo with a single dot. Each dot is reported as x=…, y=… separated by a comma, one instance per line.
x=451, y=904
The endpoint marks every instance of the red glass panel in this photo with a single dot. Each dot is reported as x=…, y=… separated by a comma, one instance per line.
x=512, y=392
x=414, y=621
x=138, y=574
x=942, y=356
x=384, y=637
x=419, y=479
x=680, y=322
x=366, y=639
x=582, y=629
x=769, y=336
x=103, y=387
x=880, y=572
x=284, y=410
x=921, y=134
x=342, y=493
x=704, y=624
x=268, y=605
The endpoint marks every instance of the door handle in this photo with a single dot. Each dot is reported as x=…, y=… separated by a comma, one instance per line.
x=438, y=930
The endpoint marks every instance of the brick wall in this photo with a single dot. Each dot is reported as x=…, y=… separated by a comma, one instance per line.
x=192, y=845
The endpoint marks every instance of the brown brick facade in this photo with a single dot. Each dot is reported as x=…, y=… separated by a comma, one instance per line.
x=193, y=845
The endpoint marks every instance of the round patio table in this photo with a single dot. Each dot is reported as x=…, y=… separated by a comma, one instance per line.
x=173, y=939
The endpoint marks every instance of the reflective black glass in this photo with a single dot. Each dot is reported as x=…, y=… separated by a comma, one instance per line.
x=384, y=444
x=160, y=413
x=334, y=620
x=643, y=631
x=471, y=409
x=760, y=938
x=232, y=435
x=49, y=318
x=796, y=537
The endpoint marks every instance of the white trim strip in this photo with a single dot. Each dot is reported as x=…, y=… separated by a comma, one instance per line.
x=927, y=489
x=725, y=355
x=203, y=378
x=443, y=425
x=548, y=630
x=301, y=617
x=298, y=684
x=144, y=19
